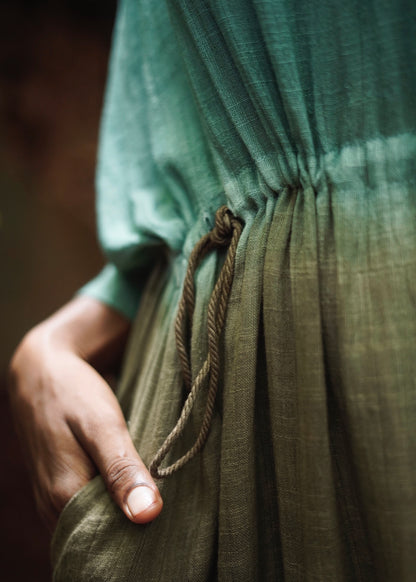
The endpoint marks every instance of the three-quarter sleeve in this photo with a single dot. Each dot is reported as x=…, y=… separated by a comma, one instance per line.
x=119, y=290
x=126, y=178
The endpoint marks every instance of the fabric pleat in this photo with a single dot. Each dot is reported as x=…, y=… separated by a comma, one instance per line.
x=300, y=118
x=308, y=472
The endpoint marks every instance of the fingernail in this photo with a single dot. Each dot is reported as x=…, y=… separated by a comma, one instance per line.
x=140, y=499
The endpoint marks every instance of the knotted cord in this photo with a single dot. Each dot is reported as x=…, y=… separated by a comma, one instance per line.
x=226, y=233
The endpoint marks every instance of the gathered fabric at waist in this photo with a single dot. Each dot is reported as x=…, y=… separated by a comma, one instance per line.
x=365, y=171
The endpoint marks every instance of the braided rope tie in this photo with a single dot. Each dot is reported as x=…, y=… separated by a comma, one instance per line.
x=226, y=233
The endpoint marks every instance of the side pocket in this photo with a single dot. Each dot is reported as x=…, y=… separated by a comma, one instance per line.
x=71, y=517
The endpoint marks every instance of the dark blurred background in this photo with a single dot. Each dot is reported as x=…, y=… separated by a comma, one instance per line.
x=53, y=63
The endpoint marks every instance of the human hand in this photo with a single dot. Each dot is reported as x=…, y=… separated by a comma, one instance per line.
x=67, y=416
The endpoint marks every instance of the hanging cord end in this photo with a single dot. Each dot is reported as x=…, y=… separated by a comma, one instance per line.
x=226, y=233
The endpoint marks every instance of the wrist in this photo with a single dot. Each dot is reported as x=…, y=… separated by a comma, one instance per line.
x=85, y=327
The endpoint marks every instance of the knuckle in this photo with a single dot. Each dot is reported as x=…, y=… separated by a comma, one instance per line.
x=120, y=474
x=60, y=492
x=58, y=496
x=49, y=501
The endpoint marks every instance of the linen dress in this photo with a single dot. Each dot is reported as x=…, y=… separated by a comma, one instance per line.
x=299, y=116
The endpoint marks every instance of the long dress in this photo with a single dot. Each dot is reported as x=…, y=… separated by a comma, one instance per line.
x=300, y=117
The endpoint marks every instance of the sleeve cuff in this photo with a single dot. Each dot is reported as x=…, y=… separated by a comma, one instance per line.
x=119, y=290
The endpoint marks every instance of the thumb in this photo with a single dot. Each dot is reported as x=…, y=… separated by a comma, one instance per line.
x=106, y=439
x=131, y=485
x=129, y=481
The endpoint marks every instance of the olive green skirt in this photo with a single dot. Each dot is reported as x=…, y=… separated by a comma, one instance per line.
x=309, y=469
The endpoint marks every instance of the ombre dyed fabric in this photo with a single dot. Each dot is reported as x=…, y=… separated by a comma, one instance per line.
x=301, y=118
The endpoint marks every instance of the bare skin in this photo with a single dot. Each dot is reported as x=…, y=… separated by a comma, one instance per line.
x=67, y=416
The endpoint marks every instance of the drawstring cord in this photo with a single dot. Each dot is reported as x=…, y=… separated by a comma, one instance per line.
x=226, y=233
